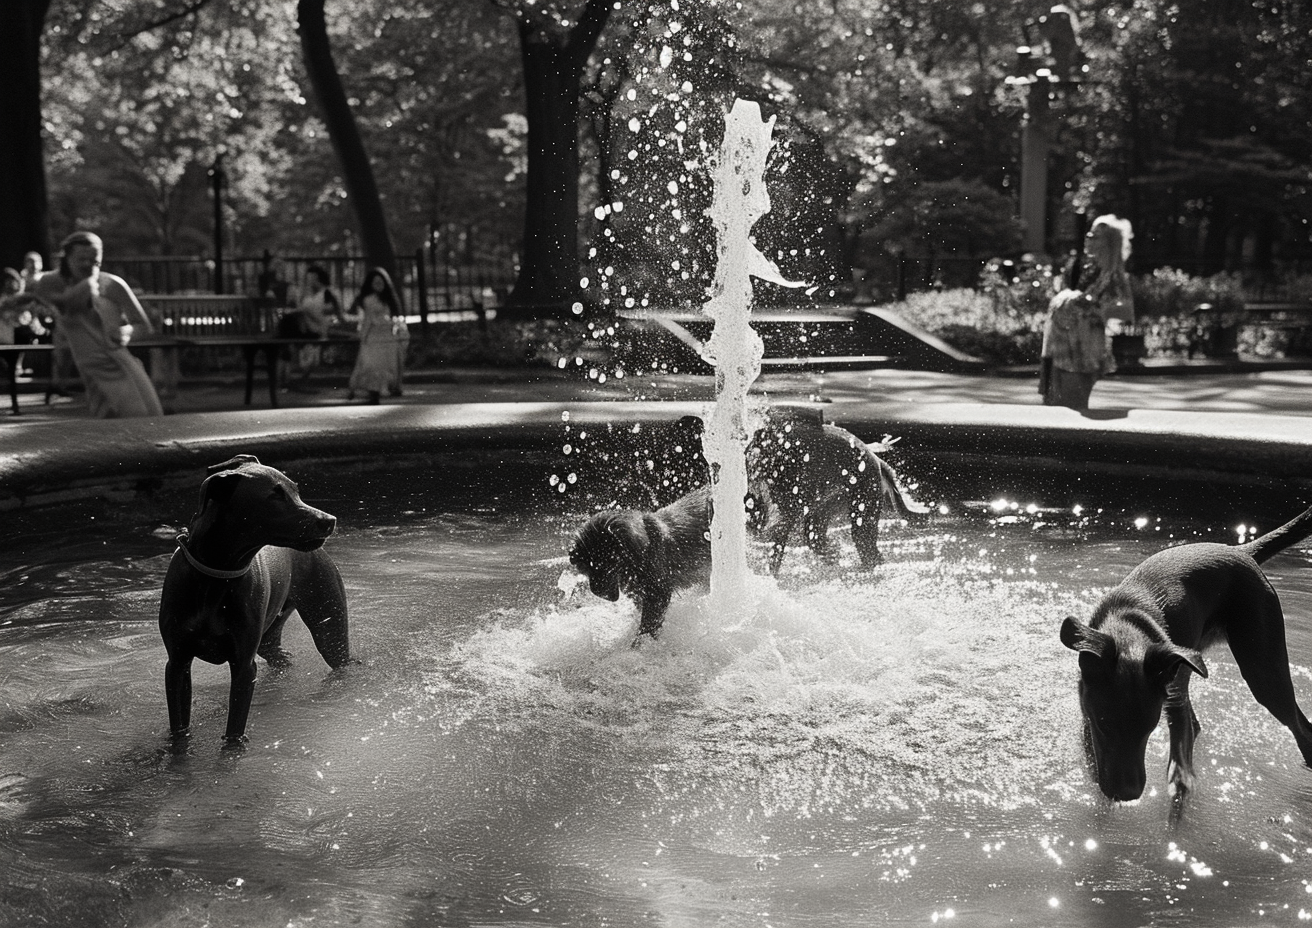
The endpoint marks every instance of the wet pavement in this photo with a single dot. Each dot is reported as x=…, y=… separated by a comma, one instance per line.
x=1249, y=427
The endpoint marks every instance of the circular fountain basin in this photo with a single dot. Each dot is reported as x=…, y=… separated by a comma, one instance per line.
x=900, y=746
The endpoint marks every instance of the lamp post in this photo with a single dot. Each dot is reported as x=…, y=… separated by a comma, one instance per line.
x=218, y=177
x=1035, y=140
x=1043, y=76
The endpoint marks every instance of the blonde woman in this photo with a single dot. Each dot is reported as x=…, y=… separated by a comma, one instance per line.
x=1075, y=353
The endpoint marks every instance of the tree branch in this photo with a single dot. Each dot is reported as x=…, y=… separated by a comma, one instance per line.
x=191, y=9
x=583, y=37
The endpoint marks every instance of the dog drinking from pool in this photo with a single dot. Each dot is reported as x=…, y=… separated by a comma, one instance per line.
x=252, y=555
x=1146, y=637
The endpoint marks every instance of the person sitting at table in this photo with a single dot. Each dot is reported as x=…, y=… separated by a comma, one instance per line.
x=98, y=312
x=20, y=322
x=316, y=308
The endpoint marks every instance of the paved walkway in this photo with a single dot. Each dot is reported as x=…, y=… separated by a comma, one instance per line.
x=1274, y=392
x=1252, y=427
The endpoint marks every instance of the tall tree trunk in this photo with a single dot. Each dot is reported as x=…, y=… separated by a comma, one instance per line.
x=24, y=212
x=357, y=171
x=553, y=73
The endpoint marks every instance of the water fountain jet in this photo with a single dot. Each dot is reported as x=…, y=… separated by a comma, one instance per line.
x=735, y=349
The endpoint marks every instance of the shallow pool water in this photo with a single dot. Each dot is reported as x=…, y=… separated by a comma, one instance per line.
x=899, y=747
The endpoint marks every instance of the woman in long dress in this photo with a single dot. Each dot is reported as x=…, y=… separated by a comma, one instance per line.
x=383, y=338
x=98, y=313
x=1074, y=352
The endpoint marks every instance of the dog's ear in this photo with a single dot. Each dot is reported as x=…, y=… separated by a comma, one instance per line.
x=1097, y=649
x=1078, y=636
x=1162, y=662
x=218, y=486
x=233, y=462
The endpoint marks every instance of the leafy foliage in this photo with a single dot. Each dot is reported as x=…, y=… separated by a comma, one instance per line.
x=1171, y=293
x=895, y=123
x=131, y=148
x=997, y=328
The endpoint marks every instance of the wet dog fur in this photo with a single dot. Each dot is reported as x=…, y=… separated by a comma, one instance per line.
x=651, y=555
x=1146, y=637
x=252, y=555
x=804, y=471
x=648, y=555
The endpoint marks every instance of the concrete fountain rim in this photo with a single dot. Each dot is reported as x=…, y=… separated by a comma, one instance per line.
x=50, y=463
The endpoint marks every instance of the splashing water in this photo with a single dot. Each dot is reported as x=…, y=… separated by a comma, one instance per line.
x=740, y=199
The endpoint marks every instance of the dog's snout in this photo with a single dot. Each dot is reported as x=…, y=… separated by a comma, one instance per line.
x=1122, y=784
x=1123, y=792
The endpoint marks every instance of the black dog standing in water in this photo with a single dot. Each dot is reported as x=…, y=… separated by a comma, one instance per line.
x=803, y=470
x=1146, y=636
x=650, y=555
x=253, y=554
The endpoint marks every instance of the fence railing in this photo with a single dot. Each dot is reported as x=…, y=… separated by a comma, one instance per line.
x=430, y=289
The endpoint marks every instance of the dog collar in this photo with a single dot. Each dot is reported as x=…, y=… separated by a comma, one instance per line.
x=209, y=571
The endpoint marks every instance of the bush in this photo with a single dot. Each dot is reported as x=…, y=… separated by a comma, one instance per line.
x=1168, y=293
x=1165, y=304
x=999, y=327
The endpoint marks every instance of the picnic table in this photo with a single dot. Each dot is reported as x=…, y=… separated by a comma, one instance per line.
x=253, y=348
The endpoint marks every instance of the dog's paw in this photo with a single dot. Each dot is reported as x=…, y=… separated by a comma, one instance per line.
x=277, y=658
x=1179, y=781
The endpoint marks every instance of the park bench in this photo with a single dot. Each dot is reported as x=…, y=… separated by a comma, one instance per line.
x=203, y=321
x=1293, y=317
x=1210, y=336
x=1214, y=332
x=9, y=357
x=246, y=324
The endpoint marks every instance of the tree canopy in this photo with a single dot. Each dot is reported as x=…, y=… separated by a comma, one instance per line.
x=897, y=129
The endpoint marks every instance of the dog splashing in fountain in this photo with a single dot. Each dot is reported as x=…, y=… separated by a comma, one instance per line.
x=1146, y=638
x=800, y=470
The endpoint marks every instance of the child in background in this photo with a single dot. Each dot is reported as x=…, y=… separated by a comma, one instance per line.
x=383, y=338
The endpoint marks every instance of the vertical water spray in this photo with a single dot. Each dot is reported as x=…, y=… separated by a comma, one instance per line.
x=740, y=199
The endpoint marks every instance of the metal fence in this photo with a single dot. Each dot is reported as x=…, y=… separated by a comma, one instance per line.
x=430, y=289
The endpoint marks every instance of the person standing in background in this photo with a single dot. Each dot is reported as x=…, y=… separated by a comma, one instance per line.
x=33, y=268
x=315, y=310
x=63, y=370
x=383, y=338
x=1074, y=354
x=98, y=313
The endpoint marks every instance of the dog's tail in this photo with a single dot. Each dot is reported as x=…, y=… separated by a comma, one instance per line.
x=897, y=497
x=1278, y=539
